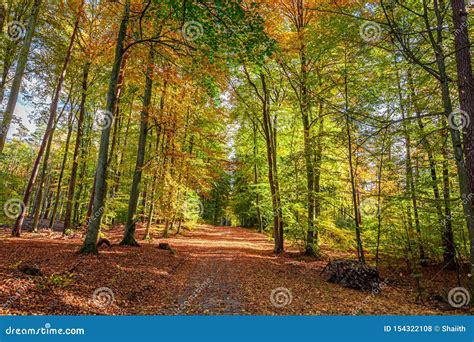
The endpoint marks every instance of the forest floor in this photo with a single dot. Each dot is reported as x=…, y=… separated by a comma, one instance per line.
x=214, y=270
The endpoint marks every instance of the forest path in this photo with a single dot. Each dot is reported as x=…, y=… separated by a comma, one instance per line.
x=215, y=270
x=213, y=283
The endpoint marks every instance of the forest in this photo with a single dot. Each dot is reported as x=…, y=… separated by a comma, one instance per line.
x=310, y=157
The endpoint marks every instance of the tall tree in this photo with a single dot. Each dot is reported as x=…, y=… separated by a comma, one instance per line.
x=77, y=147
x=129, y=238
x=89, y=246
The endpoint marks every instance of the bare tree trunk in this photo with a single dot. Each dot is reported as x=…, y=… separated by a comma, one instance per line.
x=270, y=135
x=379, y=197
x=355, y=201
x=90, y=240
x=318, y=155
x=40, y=195
x=411, y=188
x=77, y=197
x=449, y=248
x=256, y=179
x=61, y=173
x=129, y=236
x=77, y=148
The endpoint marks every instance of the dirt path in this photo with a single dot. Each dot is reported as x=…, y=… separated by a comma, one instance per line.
x=215, y=270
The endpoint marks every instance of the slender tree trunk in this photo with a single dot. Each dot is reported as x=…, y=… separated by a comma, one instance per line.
x=121, y=159
x=355, y=201
x=77, y=197
x=90, y=240
x=308, y=148
x=256, y=179
x=61, y=173
x=151, y=209
x=449, y=248
x=379, y=197
x=77, y=148
x=39, y=195
x=318, y=156
x=270, y=135
x=129, y=237
x=411, y=188
x=20, y=69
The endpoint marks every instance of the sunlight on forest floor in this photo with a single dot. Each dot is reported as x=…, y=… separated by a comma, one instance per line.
x=215, y=270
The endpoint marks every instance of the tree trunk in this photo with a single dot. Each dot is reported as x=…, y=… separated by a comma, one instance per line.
x=270, y=137
x=90, y=240
x=40, y=195
x=129, y=236
x=256, y=179
x=352, y=173
x=449, y=248
x=466, y=100
x=77, y=148
x=411, y=188
x=318, y=156
x=61, y=173
x=20, y=69
x=379, y=196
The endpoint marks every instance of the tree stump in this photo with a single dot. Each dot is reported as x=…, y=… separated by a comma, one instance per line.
x=352, y=274
x=30, y=270
x=165, y=246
